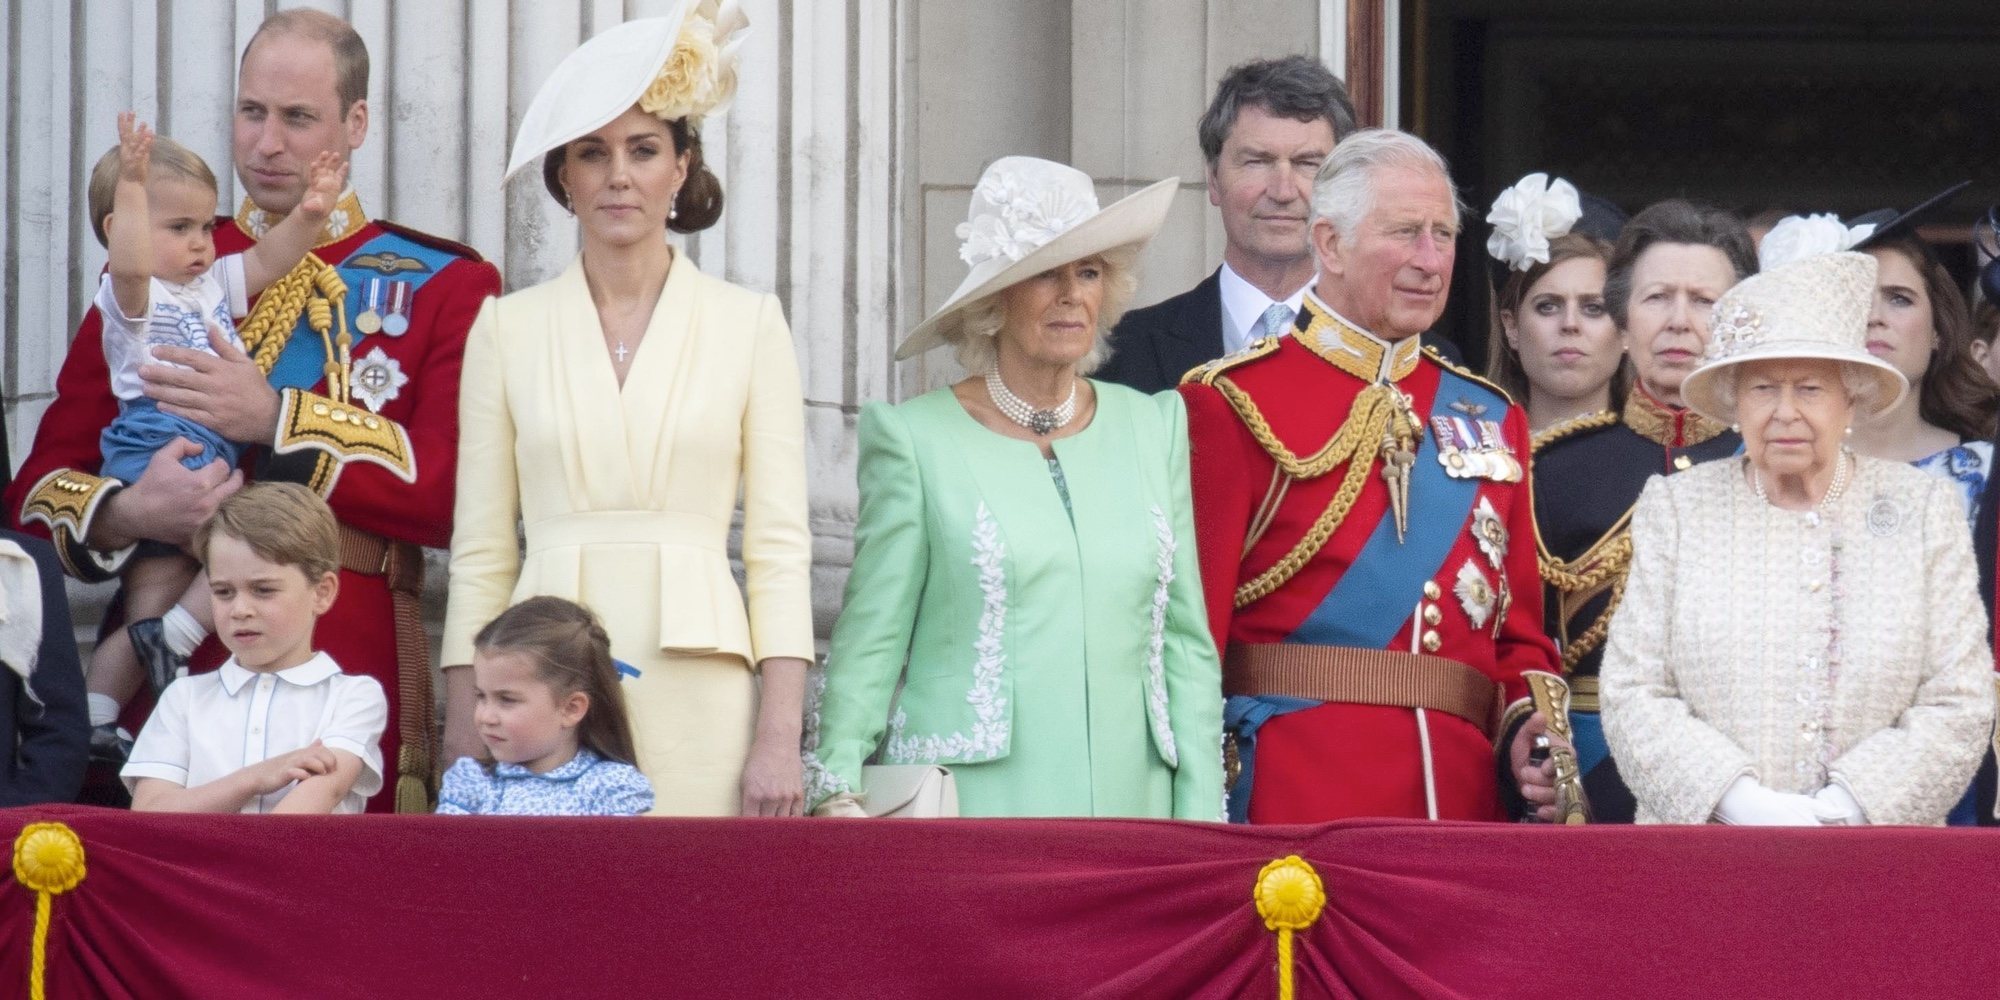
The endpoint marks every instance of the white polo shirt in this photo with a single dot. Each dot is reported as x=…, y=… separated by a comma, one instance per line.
x=208, y=726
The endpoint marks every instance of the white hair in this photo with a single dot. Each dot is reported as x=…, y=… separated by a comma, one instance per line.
x=1344, y=189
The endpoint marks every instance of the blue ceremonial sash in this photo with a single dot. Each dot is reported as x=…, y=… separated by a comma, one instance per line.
x=1243, y=715
x=1586, y=735
x=390, y=257
x=1371, y=601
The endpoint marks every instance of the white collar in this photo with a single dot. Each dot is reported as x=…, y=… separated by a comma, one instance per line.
x=1243, y=304
x=319, y=668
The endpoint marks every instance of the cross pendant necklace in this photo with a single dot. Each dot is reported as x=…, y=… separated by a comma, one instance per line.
x=621, y=352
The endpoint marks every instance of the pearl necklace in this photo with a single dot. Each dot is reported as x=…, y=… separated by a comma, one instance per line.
x=1833, y=489
x=1042, y=422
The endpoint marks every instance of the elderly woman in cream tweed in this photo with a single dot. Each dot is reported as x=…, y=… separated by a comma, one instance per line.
x=1801, y=641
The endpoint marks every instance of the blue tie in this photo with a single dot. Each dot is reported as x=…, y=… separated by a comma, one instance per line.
x=1276, y=320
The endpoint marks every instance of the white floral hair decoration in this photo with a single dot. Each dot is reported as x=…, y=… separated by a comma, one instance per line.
x=1797, y=237
x=1527, y=216
x=1014, y=215
x=699, y=76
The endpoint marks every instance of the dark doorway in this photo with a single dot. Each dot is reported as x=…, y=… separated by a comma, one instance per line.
x=1803, y=105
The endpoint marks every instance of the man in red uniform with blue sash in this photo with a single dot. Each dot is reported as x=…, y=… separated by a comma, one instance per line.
x=1366, y=531
x=349, y=385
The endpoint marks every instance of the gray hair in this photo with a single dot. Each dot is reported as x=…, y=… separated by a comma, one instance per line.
x=974, y=338
x=1344, y=189
x=1863, y=391
x=1297, y=87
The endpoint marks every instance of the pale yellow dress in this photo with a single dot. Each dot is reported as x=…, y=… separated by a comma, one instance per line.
x=625, y=499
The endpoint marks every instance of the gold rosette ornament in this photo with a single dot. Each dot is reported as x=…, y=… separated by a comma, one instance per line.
x=1289, y=897
x=699, y=77
x=48, y=861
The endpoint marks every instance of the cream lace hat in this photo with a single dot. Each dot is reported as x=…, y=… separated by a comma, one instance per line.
x=682, y=65
x=1816, y=307
x=1029, y=215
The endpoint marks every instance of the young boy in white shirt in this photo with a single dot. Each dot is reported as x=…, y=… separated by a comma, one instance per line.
x=152, y=204
x=278, y=728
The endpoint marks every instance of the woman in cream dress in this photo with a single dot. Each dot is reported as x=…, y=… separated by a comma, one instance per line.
x=1801, y=640
x=615, y=411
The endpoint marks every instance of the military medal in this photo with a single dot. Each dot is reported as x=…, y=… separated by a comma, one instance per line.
x=397, y=322
x=1507, y=468
x=1475, y=595
x=1490, y=532
x=1458, y=448
x=378, y=379
x=370, y=320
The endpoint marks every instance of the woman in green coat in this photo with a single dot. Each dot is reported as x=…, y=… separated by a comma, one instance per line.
x=1025, y=566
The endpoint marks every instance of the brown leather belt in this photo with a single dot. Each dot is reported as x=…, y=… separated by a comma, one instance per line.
x=1363, y=676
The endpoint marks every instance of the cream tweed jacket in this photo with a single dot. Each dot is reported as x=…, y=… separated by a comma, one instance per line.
x=1801, y=648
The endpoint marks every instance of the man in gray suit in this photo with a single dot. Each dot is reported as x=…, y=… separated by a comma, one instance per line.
x=1270, y=126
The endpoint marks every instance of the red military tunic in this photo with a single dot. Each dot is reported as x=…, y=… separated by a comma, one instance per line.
x=382, y=448
x=1257, y=421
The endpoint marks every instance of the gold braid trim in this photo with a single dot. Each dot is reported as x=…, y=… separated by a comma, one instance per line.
x=269, y=326
x=1605, y=564
x=1565, y=428
x=1366, y=423
x=1576, y=649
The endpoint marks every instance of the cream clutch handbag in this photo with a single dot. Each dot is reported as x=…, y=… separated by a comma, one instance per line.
x=909, y=791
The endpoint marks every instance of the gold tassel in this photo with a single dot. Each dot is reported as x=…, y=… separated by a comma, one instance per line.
x=48, y=860
x=1289, y=897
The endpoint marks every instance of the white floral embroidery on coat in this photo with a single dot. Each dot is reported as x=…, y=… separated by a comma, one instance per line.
x=821, y=783
x=991, y=725
x=1156, y=671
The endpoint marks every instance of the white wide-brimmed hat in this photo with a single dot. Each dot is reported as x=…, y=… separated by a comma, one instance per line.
x=1816, y=307
x=682, y=65
x=1027, y=216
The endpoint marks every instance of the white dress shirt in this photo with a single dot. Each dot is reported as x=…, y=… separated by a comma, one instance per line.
x=1243, y=304
x=211, y=725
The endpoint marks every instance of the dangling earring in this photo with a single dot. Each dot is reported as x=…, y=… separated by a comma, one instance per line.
x=674, y=205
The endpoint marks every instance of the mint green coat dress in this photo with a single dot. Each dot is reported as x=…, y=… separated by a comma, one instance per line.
x=1057, y=659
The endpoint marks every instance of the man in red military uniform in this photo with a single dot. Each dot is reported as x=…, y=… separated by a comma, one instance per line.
x=1366, y=530
x=349, y=385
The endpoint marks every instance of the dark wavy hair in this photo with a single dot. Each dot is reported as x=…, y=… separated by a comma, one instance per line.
x=571, y=653
x=1954, y=392
x=1503, y=363
x=1297, y=87
x=696, y=207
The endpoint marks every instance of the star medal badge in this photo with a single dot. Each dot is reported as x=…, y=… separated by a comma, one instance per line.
x=378, y=379
x=1490, y=532
x=370, y=320
x=397, y=321
x=1475, y=595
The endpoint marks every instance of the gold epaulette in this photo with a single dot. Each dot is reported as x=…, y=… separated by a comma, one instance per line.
x=1466, y=373
x=1571, y=427
x=65, y=500
x=1206, y=372
x=347, y=433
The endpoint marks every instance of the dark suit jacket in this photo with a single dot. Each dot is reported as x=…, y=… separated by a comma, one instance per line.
x=1152, y=348
x=43, y=746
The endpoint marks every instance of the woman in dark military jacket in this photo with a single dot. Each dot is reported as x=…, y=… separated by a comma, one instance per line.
x=1670, y=264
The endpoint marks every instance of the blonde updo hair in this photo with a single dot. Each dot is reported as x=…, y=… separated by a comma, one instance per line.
x=974, y=338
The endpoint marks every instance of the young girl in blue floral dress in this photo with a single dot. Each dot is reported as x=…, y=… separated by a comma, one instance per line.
x=551, y=716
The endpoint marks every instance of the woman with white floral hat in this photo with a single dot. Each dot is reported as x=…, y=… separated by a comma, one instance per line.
x=1801, y=640
x=1025, y=562
x=615, y=412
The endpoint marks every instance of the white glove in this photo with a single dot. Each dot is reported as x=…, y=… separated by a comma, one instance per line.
x=1837, y=807
x=1748, y=803
x=845, y=805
